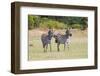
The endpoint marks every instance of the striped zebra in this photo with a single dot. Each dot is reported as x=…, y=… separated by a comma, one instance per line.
x=46, y=39
x=63, y=39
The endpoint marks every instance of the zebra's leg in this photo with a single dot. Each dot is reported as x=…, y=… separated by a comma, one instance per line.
x=64, y=46
x=50, y=47
x=68, y=46
x=46, y=47
x=58, y=47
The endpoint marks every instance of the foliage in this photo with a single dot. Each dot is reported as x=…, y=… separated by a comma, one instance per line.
x=57, y=22
x=33, y=21
x=52, y=24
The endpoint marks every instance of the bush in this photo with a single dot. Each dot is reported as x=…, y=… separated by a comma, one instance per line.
x=33, y=21
x=52, y=24
x=76, y=26
x=45, y=22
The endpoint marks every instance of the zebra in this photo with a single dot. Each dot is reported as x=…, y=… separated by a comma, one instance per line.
x=46, y=39
x=63, y=39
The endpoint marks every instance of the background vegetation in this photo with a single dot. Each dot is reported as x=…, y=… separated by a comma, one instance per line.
x=57, y=22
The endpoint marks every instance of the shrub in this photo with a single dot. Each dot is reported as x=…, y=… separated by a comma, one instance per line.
x=33, y=21
x=52, y=24
x=76, y=26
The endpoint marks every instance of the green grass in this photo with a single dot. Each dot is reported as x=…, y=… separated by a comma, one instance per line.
x=78, y=48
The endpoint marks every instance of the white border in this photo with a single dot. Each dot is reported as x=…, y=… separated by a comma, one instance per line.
x=24, y=64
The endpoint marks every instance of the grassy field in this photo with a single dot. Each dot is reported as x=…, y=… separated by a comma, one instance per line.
x=78, y=46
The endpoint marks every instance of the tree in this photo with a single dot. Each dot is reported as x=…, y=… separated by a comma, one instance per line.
x=33, y=21
x=57, y=22
x=84, y=23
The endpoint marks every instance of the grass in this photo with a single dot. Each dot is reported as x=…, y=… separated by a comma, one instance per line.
x=77, y=50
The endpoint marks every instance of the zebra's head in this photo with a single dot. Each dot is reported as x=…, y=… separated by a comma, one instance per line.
x=50, y=33
x=68, y=33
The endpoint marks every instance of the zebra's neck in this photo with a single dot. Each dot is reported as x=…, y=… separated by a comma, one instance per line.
x=49, y=37
x=67, y=35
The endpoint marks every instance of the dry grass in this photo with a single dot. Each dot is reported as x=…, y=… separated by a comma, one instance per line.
x=78, y=46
